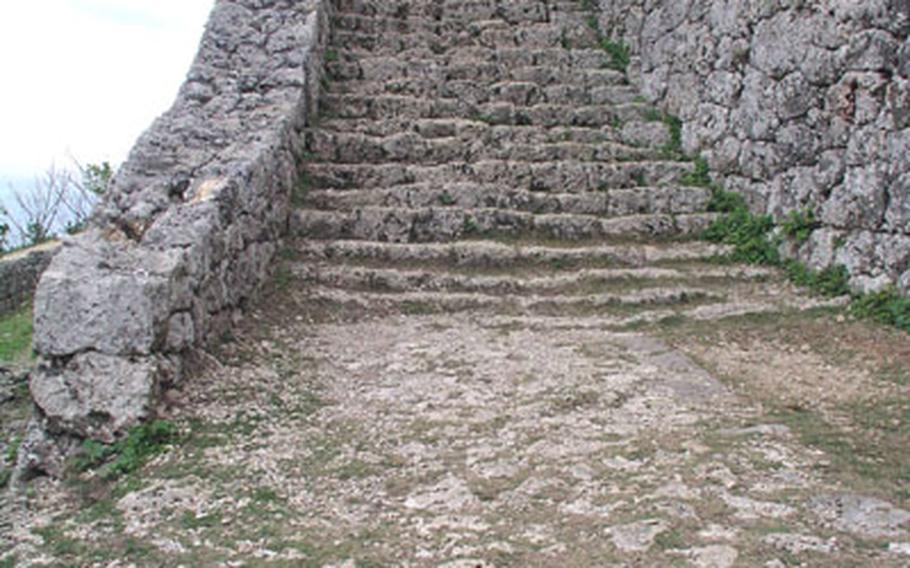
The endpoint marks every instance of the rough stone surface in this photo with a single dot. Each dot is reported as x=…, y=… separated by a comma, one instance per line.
x=796, y=105
x=186, y=233
x=19, y=274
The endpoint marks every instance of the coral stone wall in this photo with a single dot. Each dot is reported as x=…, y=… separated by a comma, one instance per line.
x=187, y=232
x=796, y=104
x=19, y=274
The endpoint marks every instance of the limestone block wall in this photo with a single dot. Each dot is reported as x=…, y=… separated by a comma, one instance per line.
x=187, y=233
x=19, y=274
x=796, y=104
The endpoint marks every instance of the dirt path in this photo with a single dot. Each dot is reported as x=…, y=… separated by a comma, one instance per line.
x=462, y=440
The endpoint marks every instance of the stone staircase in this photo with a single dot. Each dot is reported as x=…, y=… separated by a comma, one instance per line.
x=486, y=155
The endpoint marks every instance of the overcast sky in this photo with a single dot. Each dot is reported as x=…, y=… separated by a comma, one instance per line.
x=86, y=77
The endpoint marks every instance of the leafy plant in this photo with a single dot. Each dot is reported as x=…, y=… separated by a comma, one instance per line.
x=831, y=281
x=799, y=225
x=749, y=234
x=128, y=454
x=885, y=306
x=16, y=335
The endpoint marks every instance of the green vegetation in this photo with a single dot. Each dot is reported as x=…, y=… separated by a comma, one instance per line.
x=331, y=55
x=301, y=189
x=16, y=335
x=799, y=225
x=756, y=239
x=127, y=455
x=673, y=148
x=886, y=306
x=619, y=53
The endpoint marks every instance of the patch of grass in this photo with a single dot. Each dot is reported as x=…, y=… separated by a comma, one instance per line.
x=470, y=226
x=886, y=306
x=447, y=199
x=723, y=201
x=127, y=455
x=798, y=225
x=9, y=562
x=700, y=177
x=190, y=521
x=16, y=335
x=331, y=55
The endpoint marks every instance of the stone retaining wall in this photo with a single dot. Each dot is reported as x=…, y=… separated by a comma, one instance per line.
x=19, y=274
x=796, y=105
x=187, y=233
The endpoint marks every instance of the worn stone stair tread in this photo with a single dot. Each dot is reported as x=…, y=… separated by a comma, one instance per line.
x=425, y=224
x=606, y=203
x=461, y=127
x=537, y=176
x=564, y=282
x=411, y=147
x=389, y=106
x=460, y=301
x=514, y=12
x=438, y=38
x=496, y=253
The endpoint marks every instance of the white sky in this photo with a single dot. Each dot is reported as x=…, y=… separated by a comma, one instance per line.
x=86, y=77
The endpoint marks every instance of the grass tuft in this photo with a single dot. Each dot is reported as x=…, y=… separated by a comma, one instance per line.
x=127, y=455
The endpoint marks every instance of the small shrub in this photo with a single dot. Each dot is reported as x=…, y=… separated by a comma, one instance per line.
x=700, y=176
x=749, y=234
x=723, y=201
x=886, y=306
x=619, y=53
x=799, y=225
x=129, y=454
x=832, y=281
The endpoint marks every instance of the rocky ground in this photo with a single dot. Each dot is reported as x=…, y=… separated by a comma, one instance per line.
x=327, y=436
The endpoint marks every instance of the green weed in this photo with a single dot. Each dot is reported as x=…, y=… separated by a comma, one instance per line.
x=885, y=306
x=127, y=455
x=619, y=54
x=799, y=225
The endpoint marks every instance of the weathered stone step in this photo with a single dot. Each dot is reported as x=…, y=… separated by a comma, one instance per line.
x=610, y=203
x=564, y=282
x=519, y=93
x=467, y=127
x=563, y=176
x=513, y=304
x=437, y=39
x=487, y=144
x=487, y=253
x=393, y=224
x=459, y=10
x=480, y=64
x=405, y=107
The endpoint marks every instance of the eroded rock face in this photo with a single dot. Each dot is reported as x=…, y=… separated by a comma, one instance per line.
x=797, y=105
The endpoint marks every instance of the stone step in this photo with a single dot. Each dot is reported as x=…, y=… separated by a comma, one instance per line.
x=437, y=39
x=557, y=176
x=518, y=93
x=394, y=224
x=466, y=127
x=406, y=107
x=609, y=203
x=480, y=64
x=507, y=255
x=515, y=12
x=607, y=304
x=487, y=144
x=584, y=281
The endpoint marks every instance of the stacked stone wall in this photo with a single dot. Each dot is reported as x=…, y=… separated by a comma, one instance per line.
x=187, y=233
x=796, y=105
x=19, y=274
